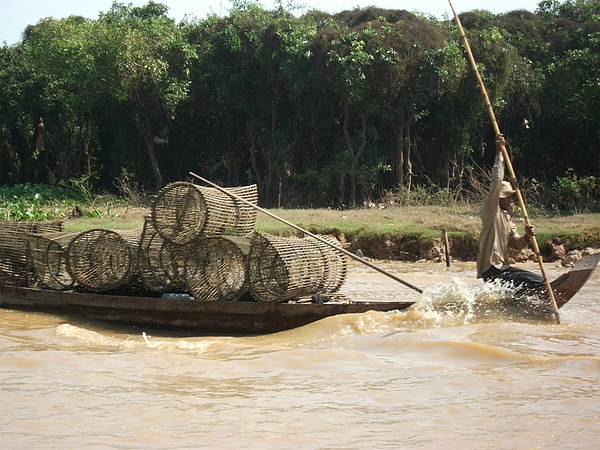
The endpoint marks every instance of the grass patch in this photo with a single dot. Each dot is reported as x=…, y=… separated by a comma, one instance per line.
x=39, y=202
x=120, y=218
x=426, y=225
x=422, y=221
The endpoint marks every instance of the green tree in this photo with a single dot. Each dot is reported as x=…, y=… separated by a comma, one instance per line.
x=151, y=67
x=57, y=54
x=17, y=123
x=251, y=68
x=317, y=110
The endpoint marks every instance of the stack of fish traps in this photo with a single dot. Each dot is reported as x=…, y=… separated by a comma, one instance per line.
x=197, y=240
x=200, y=238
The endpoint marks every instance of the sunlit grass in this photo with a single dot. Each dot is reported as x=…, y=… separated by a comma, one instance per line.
x=414, y=221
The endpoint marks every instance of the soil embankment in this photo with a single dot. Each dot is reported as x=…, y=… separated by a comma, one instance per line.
x=403, y=234
x=458, y=248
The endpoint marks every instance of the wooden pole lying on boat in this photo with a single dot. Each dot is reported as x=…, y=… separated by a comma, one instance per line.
x=308, y=233
x=511, y=171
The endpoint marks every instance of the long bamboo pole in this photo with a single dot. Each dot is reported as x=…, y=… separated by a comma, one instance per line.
x=509, y=165
x=308, y=233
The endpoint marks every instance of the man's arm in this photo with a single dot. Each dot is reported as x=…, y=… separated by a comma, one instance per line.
x=491, y=202
x=520, y=242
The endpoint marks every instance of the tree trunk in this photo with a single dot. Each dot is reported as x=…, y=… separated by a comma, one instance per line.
x=341, y=182
x=398, y=157
x=273, y=155
x=233, y=174
x=407, y=157
x=146, y=132
x=353, y=155
x=268, y=186
x=251, y=135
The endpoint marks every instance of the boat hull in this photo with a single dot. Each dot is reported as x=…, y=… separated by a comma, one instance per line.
x=539, y=303
x=184, y=315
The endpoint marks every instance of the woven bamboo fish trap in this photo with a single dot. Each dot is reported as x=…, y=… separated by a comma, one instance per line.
x=217, y=270
x=336, y=265
x=102, y=259
x=183, y=211
x=15, y=267
x=282, y=268
x=48, y=256
x=161, y=263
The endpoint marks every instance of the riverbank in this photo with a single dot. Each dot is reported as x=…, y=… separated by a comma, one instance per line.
x=401, y=234
x=421, y=232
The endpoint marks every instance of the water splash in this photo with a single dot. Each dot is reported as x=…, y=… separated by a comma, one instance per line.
x=457, y=302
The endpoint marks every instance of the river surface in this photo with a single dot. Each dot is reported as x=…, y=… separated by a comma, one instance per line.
x=422, y=378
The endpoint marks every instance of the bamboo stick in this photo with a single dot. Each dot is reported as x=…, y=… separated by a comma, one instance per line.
x=509, y=165
x=308, y=233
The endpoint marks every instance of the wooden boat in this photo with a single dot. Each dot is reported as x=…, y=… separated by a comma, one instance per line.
x=182, y=314
x=538, y=303
x=569, y=283
x=247, y=317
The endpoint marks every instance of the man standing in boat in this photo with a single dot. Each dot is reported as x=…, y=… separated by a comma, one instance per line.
x=499, y=234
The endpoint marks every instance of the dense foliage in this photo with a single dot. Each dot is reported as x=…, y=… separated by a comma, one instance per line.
x=319, y=110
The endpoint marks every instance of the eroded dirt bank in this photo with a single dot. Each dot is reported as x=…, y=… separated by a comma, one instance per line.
x=401, y=248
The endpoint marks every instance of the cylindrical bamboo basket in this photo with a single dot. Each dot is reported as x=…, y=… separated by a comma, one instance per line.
x=183, y=211
x=283, y=268
x=217, y=269
x=336, y=265
x=161, y=263
x=31, y=227
x=15, y=267
x=101, y=259
x=48, y=255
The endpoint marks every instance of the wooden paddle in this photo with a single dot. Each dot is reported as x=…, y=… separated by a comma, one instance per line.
x=308, y=233
x=511, y=171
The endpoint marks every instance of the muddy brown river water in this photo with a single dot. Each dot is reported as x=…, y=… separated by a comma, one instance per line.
x=417, y=378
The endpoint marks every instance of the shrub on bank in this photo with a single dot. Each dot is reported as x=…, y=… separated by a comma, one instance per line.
x=39, y=202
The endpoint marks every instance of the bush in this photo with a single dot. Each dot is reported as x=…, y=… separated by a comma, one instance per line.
x=572, y=193
x=38, y=202
x=420, y=195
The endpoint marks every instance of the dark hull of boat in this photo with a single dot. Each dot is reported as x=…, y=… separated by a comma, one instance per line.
x=569, y=283
x=564, y=288
x=195, y=316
